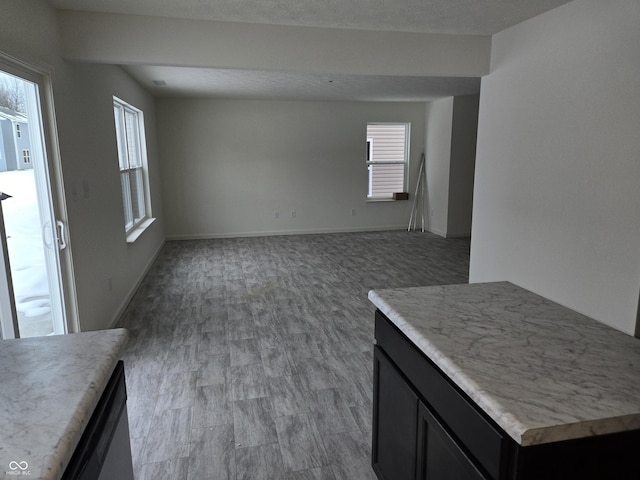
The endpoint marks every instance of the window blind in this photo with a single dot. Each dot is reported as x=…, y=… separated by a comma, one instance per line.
x=387, y=158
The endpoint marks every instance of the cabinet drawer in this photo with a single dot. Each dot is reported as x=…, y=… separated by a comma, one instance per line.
x=456, y=411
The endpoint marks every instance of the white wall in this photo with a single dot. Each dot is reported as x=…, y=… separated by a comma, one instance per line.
x=464, y=128
x=84, y=115
x=439, y=117
x=557, y=172
x=451, y=125
x=228, y=165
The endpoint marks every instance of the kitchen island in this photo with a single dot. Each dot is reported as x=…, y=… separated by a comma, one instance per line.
x=504, y=384
x=49, y=388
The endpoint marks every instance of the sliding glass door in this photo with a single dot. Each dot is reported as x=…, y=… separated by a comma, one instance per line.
x=32, y=297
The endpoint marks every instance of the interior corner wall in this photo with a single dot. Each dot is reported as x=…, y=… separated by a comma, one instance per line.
x=82, y=95
x=229, y=165
x=462, y=165
x=438, y=131
x=556, y=189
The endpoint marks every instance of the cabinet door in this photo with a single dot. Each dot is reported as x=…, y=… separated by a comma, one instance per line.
x=439, y=457
x=395, y=422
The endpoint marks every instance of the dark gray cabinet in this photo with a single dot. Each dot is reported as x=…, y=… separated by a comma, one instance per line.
x=439, y=456
x=104, y=450
x=408, y=441
x=396, y=414
x=426, y=428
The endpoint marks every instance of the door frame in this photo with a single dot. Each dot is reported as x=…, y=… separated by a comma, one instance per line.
x=8, y=313
x=42, y=75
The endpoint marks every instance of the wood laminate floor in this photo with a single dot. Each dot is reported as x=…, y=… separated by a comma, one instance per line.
x=251, y=358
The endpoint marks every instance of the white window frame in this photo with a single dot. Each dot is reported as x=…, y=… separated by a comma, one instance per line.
x=132, y=163
x=371, y=161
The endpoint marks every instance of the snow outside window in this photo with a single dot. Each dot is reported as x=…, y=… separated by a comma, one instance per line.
x=387, y=158
x=132, y=160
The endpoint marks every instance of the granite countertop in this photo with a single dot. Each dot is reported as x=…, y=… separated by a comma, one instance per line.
x=49, y=387
x=541, y=371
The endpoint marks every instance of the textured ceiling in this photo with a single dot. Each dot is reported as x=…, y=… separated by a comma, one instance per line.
x=464, y=17
x=298, y=86
x=478, y=17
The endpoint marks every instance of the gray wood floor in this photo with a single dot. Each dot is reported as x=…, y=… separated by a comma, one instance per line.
x=251, y=358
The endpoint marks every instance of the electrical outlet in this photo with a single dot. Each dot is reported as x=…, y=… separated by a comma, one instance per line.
x=353, y=212
x=293, y=214
x=276, y=215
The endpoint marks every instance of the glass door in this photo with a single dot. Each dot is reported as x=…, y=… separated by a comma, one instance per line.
x=31, y=281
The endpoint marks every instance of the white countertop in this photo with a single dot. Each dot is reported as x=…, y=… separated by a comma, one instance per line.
x=541, y=371
x=49, y=387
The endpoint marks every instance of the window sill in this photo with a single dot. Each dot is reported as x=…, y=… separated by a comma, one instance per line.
x=134, y=233
x=376, y=200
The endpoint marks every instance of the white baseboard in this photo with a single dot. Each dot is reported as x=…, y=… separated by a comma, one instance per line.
x=458, y=235
x=206, y=236
x=448, y=235
x=435, y=231
x=125, y=303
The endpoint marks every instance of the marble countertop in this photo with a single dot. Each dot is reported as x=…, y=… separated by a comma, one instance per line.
x=541, y=371
x=49, y=387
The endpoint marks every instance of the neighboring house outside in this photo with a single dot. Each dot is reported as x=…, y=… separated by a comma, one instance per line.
x=15, y=144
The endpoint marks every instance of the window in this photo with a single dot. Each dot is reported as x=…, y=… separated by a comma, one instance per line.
x=387, y=158
x=18, y=132
x=132, y=158
x=26, y=156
